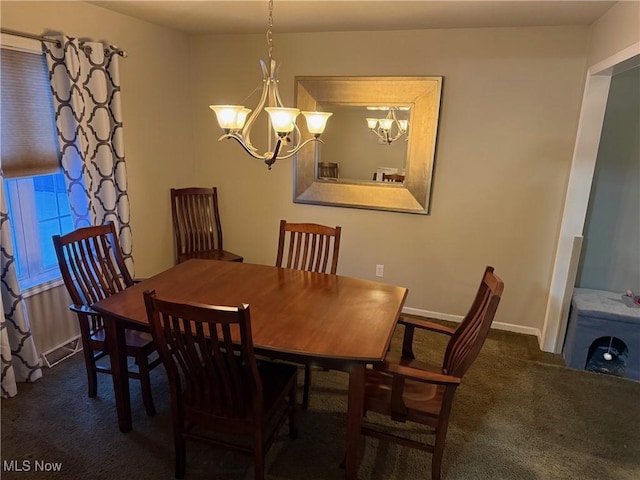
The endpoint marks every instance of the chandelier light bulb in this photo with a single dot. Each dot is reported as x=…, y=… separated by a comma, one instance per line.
x=231, y=117
x=385, y=123
x=372, y=123
x=316, y=121
x=282, y=119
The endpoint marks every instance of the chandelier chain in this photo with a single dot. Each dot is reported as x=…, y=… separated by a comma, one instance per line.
x=270, y=30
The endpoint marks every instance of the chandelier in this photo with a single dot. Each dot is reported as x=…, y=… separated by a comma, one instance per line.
x=390, y=128
x=234, y=123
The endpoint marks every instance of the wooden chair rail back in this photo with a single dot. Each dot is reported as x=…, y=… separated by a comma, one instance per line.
x=308, y=246
x=196, y=219
x=93, y=268
x=467, y=341
x=328, y=170
x=392, y=177
x=215, y=382
x=219, y=379
x=406, y=389
x=91, y=263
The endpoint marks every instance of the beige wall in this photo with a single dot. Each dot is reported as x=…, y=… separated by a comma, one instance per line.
x=509, y=111
x=52, y=323
x=507, y=127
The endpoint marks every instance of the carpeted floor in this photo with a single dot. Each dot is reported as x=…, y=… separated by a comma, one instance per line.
x=519, y=415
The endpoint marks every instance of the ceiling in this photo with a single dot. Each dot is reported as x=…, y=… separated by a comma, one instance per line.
x=245, y=16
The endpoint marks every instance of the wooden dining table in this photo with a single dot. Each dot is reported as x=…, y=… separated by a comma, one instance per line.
x=332, y=321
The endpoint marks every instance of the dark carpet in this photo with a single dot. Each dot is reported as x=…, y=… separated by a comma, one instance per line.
x=519, y=414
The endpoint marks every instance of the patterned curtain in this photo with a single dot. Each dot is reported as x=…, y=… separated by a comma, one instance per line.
x=20, y=362
x=86, y=97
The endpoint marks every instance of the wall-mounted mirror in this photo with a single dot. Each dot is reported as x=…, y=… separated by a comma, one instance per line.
x=382, y=128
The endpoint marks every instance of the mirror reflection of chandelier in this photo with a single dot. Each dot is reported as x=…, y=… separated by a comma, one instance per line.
x=390, y=128
x=232, y=118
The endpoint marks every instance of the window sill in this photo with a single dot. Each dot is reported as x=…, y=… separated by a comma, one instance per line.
x=42, y=287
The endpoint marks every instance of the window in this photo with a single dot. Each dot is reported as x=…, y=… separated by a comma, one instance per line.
x=39, y=208
x=34, y=186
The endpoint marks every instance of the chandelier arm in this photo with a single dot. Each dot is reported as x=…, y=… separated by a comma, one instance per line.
x=251, y=151
x=297, y=136
x=397, y=136
x=246, y=130
x=291, y=153
x=274, y=81
x=377, y=133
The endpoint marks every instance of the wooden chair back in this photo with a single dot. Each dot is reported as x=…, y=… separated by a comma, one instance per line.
x=392, y=177
x=196, y=221
x=91, y=263
x=308, y=246
x=208, y=372
x=328, y=170
x=215, y=382
x=406, y=389
x=93, y=268
x=467, y=341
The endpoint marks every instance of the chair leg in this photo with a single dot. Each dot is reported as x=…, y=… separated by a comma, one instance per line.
x=92, y=377
x=438, y=450
x=293, y=416
x=145, y=384
x=258, y=456
x=306, y=387
x=181, y=455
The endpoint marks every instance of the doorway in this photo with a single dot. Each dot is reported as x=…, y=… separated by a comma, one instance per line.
x=579, y=187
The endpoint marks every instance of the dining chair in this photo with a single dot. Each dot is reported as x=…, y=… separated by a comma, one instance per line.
x=392, y=177
x=217, y=387
x=328, y=170
x=196, y=225
x=406, y=389
x=311, y=247
x=93, y=268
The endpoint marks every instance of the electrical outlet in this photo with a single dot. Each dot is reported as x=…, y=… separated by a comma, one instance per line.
x=379, y=270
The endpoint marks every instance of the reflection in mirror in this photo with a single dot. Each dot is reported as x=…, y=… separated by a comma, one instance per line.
x=351, y=144
x=360, y=152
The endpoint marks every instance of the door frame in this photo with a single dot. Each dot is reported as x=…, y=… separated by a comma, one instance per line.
x=585, y=153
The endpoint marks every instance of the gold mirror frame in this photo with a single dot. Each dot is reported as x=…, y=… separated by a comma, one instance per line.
x=421, y=93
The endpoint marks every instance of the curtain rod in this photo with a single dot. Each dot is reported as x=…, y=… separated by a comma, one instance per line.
x=16, y=33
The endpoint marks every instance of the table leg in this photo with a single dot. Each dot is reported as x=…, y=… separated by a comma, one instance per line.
x=119, y=371
x=354, y=420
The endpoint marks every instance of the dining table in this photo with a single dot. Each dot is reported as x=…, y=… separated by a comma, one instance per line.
x=326, y=320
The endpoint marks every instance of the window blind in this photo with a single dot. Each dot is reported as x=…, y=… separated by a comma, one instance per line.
x=29, y=141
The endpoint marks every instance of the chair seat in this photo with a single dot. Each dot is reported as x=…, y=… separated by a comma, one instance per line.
x=221, y=255
x=420, y=398
x=134, y=339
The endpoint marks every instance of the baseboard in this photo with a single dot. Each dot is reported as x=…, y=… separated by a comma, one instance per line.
x=510, y=327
